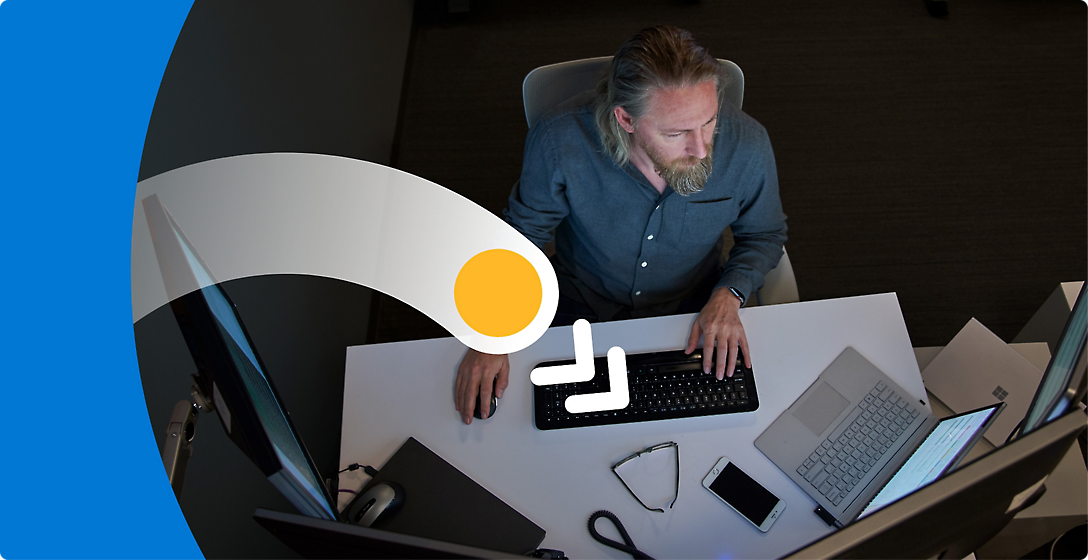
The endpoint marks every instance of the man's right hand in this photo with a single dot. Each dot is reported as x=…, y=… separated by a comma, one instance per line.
x=477, y=374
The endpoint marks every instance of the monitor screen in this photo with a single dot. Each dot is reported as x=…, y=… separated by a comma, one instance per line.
x=230, y=373
x=1065, y=373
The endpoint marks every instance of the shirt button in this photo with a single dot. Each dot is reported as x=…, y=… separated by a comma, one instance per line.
x=638, y=293
x=650, y=237
x=643, y=265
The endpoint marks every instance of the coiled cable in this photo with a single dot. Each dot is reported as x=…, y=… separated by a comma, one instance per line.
x=627, y=545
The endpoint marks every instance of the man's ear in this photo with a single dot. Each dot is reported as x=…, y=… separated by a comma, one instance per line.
x=625, y=120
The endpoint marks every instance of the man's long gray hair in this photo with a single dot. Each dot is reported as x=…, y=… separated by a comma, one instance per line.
x=656, y=57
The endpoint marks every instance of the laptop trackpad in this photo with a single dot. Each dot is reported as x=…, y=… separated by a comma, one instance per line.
x=820, y=408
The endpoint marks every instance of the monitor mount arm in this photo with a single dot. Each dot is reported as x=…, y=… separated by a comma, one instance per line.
x=178, y=446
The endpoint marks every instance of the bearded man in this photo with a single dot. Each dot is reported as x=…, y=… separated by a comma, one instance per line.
x=638, y=181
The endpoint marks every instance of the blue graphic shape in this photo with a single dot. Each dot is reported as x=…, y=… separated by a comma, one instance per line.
x=81, y=474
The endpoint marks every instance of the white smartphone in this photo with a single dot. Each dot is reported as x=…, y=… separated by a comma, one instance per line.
x=742, y=493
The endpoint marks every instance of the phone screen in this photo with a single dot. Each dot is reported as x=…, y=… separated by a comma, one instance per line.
x=746, y=495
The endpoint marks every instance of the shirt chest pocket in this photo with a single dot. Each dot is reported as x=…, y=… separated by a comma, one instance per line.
x=704, y=221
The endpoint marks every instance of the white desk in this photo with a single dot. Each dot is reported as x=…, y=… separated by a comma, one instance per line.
x=558, y=478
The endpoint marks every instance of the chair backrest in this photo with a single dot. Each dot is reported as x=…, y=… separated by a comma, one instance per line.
x=546, y=87
x=780, y=285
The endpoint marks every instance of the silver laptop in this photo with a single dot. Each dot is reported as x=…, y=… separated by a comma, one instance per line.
x=855, y=440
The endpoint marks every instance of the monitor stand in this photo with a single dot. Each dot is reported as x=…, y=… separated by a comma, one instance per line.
x=178, y=446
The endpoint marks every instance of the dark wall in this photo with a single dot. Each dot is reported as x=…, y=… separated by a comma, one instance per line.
x=257, y=77
x=940, y=158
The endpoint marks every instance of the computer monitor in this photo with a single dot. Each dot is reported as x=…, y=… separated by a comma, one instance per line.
x=316, y=538
x=232, y=380
x=956, y=514
x=230, y=374
x=1063, y=383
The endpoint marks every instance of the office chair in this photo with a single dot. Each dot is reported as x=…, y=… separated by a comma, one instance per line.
x=546, y=87
x=779, y=286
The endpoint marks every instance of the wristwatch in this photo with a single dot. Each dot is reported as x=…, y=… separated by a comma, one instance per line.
x=737, y=293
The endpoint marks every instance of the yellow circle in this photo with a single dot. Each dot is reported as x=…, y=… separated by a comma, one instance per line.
x=497, y=292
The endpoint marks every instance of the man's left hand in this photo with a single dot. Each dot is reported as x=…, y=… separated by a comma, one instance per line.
x=719, y=324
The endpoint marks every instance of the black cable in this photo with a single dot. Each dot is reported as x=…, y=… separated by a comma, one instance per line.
x=366, y=468
x=629, y=547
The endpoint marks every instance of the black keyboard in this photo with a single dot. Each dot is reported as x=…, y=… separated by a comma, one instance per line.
x=662, y=385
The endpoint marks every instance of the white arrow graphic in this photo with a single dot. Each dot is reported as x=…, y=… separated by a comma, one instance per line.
x=614, y=399
x=582, y=370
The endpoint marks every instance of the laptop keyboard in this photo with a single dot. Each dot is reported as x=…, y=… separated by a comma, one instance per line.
x=662, y=385
x=842, y=460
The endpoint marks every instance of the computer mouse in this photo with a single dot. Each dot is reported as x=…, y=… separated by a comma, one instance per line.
x=478, y=412
x=375, y=505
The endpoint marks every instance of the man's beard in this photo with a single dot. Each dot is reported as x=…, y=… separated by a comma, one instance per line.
x=687, y=175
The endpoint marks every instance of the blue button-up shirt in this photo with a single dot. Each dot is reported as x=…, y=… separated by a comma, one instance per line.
x=619, y=244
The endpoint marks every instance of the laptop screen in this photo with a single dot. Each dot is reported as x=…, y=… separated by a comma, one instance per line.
x=943, y=448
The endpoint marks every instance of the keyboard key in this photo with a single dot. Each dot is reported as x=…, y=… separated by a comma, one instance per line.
x=860, y=446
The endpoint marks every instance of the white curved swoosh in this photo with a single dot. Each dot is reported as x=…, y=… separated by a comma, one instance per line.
x=320, y=215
